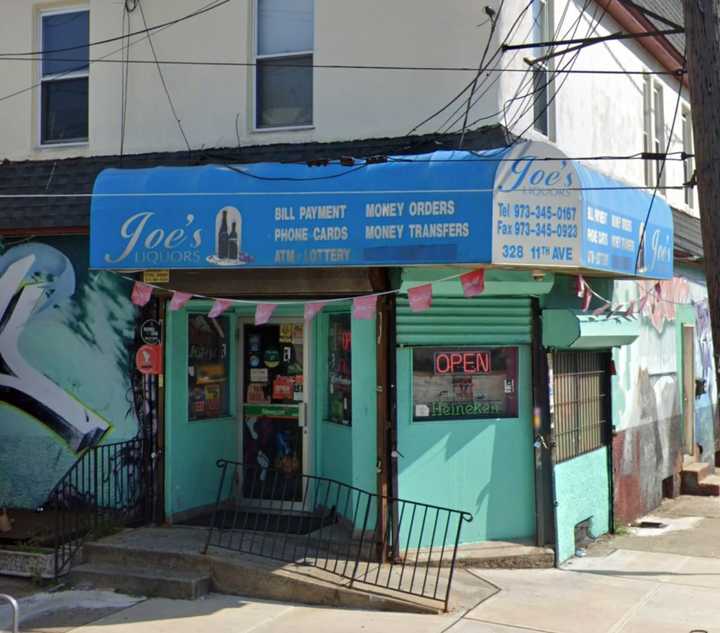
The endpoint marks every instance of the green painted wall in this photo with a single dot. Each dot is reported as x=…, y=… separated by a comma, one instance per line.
x=582, y=488
x=364, y=405
x=192, y=448
x=347, y=454
x=484, y=467
x=334, y=441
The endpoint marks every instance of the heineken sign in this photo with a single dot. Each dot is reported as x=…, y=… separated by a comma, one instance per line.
x=464, y=383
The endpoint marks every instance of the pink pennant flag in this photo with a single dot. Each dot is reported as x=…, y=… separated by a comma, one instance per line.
x=630, y=309
x=658, y=290
x=179, y=299
x=601, y=310
x=587, y=298
x=141, y=293
x=420, y=297
x=364, y=307
x=312, y=309
x=473, y=283
x=580, y=286
x=219, y=307
x=642, y=303
x=263, y=312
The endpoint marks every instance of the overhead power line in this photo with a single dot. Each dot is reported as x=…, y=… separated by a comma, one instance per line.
x=215, y=194
x=593, y=40
x=110, y=40
x=235, y=64
x=651, y=14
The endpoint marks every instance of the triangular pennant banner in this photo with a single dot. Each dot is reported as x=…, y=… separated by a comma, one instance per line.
x=658, y=290
x=630, y=309
x=312, y=309
x=473, y=283
x=420, y=297
x=219, y=307
x=263, y=312
x=587, y=298
x=601, y=310
x=141, y=293
x=580, y=286
x=364, y=308
x=642, y=303
x=179, y=299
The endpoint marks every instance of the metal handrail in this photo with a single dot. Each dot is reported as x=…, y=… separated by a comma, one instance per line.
x=106, y=486
x=341, y=529
x=15, y=610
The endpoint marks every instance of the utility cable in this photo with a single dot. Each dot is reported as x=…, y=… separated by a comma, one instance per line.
x=162, y=79
x=235, y=64
x=469, y=85
x=105, y=57
x=493, y=27
x=157, y=27
x=660, y=172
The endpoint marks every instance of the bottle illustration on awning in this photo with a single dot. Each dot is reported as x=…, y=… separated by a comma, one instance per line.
x=228, y=239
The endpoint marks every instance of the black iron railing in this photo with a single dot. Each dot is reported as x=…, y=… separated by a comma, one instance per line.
x=104, y=489
x=400, y=545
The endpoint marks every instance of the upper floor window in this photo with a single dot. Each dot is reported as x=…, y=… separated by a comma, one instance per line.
x=64, y=76
x=654, y=132
x=542, y=72
x=284, y=58
x=688, y=163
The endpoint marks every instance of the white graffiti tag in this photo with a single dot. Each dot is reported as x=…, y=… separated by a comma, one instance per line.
x=24, y=387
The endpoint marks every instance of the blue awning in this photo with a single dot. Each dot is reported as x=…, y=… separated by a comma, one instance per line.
x=439, y=208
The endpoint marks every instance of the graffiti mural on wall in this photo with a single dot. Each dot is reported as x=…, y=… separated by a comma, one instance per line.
x=29, y=285
x=66, y=340
x=647, y=446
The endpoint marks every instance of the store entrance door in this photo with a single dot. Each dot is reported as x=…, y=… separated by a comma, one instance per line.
x=274, y=412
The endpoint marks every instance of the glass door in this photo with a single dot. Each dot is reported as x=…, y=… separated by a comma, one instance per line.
x=274, y=417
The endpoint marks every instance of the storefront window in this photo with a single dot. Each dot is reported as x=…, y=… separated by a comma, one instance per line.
x=464, y=383
x=339, y=370
x=208, y=367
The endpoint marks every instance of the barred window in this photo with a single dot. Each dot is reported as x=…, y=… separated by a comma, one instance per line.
x=579, y=402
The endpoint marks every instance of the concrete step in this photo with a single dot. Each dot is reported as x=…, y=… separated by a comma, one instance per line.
x=692, y=475
x=105, y=554
x=143, y=581
x=710, y=486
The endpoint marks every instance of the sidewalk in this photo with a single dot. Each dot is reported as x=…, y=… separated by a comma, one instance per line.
x=642, y=582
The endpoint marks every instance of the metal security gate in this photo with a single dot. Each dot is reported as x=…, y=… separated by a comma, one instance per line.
x=580, y=402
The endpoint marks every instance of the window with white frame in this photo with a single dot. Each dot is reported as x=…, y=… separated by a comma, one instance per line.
x=64, y=76
x=654, y=132
x=542, y=71
x=284, y=58
x=689, y=162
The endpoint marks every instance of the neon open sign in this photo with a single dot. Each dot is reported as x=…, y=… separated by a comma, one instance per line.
x=459, y=362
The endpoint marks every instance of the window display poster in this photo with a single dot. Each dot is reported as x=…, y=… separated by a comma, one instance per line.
x=339, y=369
x=452, y=383
x=208, y=367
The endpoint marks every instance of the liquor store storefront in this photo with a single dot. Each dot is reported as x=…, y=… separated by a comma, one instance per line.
x=374, y=326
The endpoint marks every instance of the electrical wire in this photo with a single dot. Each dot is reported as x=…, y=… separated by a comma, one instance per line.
x=157, y=27
x=454, y=118
x=468, y=86
x=162, y=79
x=493, y=27
x=105, y=57
x=530, y=79
x=555, y=91
x=388, y=67
x=214, y=194
x=661, y=171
